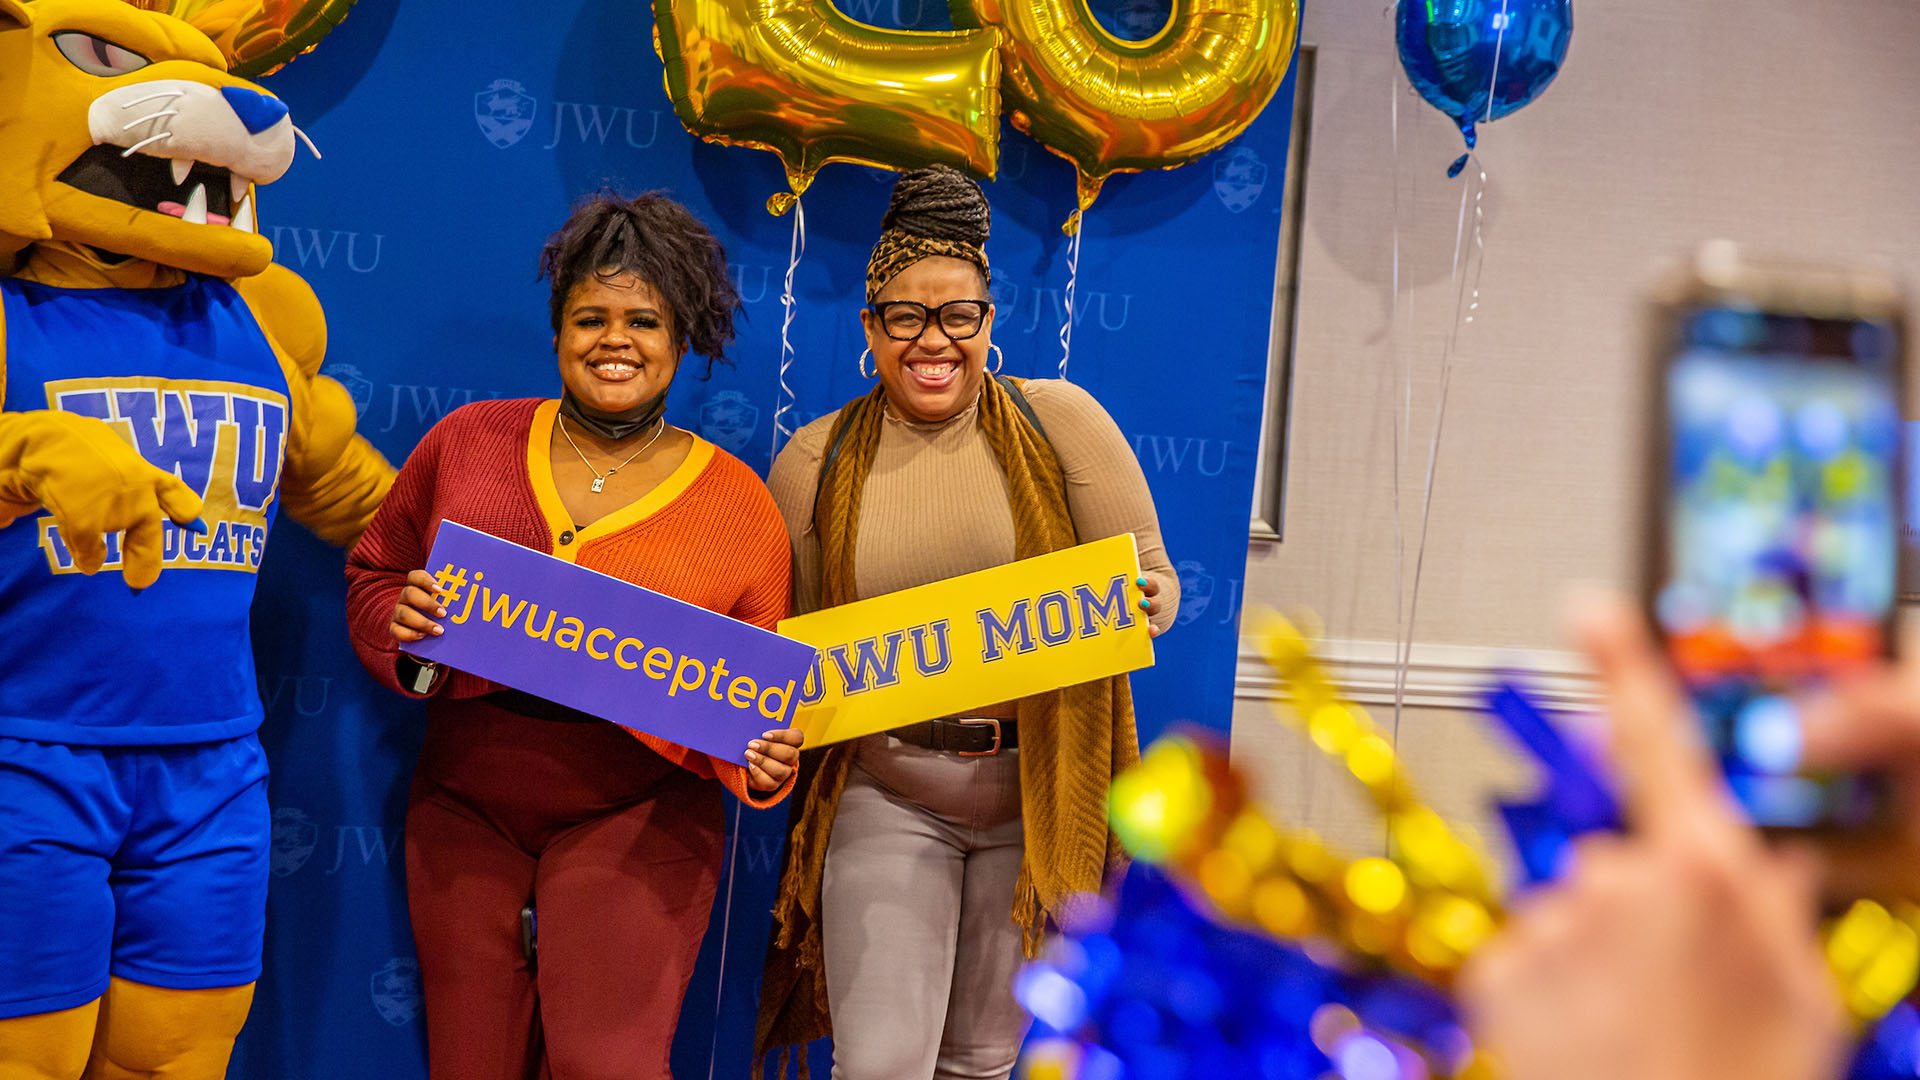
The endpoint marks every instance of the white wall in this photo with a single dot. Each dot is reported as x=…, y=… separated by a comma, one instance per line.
x=1789, y=125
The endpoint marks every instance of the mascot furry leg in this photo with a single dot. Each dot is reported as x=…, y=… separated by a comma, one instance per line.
x=162, y=402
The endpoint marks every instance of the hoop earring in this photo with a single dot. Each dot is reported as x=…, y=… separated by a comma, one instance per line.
x=999, y=359
x=864, y=373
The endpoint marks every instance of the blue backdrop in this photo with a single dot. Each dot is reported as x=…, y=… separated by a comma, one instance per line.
x=454, y=142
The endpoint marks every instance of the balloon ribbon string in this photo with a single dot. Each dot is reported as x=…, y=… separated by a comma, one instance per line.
x=1463, y=314
x=783, y=400
x=726, y=927
x=1073, y=277
x=1402, y=371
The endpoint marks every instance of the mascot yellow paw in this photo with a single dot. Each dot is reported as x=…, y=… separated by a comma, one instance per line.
x=94, y=484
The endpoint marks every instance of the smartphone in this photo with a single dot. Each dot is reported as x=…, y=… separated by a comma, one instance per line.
x=1776, y=509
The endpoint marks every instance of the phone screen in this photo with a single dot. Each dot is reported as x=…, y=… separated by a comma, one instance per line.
x=1782, y=511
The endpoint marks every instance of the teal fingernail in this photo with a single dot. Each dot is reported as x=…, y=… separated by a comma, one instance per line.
x=1140, y=581
x=1145, y=603
x=197, y=525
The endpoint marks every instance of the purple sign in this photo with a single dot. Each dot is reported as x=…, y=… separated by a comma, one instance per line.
x=606, y=647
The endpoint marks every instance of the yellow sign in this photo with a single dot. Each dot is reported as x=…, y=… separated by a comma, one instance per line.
x=982, y=638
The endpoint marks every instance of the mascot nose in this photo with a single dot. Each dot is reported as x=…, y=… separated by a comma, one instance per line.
x=256, y=110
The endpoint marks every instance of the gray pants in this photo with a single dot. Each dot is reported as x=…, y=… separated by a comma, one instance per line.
x=916, y=916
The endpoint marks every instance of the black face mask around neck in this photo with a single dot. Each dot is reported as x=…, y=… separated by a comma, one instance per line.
x=616, y=426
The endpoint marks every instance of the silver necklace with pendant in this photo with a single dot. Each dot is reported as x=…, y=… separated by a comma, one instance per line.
x=600, y=478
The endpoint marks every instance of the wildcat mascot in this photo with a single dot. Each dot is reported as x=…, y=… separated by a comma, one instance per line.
x=161, y=405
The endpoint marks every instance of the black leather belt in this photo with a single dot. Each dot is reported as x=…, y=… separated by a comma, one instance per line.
x=969, y=736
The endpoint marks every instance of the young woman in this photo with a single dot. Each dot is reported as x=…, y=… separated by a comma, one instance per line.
x=559, y=868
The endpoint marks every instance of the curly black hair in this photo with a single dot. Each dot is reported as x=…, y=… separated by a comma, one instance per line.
x=659, y=241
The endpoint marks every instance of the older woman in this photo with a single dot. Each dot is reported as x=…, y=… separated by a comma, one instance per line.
x=559, y=868
x=923, y=859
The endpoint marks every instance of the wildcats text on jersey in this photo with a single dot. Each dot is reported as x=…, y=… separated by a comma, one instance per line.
x=226, y=440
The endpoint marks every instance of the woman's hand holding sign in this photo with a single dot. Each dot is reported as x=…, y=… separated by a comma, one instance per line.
x=1149, y=589
x=413, y=616
x=772, y=758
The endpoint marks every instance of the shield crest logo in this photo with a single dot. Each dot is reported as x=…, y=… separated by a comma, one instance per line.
x=357, y=384
x=294, y=838
x=1196, y=591
x=396, y=991
x=728, y=420
x=1239, y=177
x=504, y=111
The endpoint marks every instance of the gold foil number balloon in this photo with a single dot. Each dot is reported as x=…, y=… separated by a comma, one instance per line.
x=799, y=78
x=260, y=36
x=1109, y=105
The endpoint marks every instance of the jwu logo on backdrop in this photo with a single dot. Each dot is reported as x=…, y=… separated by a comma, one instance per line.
x=1042, y=309
x=506, y=114
x=728, y=420
x=395, y=990
x=1199, y=591
x=414, y=404
x=1239, y=176
x=1181, y=454
x=297, y=838
x=310, y=250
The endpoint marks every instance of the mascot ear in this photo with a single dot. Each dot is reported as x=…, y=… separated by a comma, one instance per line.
x=13, y=14
x=258, y=37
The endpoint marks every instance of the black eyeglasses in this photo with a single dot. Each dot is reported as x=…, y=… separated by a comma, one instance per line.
x=906, y=320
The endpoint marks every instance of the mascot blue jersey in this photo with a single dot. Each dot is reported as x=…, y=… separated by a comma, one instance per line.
x=187, y=377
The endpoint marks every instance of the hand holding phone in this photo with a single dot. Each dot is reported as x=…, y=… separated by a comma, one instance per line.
x=1776, y=495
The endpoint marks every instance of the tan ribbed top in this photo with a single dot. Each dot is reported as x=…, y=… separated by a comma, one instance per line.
x=935, y=505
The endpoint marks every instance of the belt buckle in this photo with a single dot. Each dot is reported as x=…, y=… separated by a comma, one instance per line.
x=992, y=721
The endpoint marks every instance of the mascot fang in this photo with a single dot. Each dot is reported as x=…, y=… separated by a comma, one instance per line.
x=162, y=404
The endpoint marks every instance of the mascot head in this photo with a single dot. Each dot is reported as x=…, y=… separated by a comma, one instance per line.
x=122, y=128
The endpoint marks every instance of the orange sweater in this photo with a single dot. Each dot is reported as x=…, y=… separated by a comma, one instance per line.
x=709, y=535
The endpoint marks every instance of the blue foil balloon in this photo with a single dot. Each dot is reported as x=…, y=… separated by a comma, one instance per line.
x=1478, y=60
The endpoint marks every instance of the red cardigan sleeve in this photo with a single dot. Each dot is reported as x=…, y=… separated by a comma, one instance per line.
x=396, y=541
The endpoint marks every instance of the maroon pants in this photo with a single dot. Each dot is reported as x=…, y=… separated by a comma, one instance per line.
x=619, y=852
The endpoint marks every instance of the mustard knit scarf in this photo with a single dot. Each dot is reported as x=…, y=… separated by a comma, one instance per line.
x=1072, y=741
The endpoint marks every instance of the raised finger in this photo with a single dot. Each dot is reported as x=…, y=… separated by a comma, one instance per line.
x=1668, y=782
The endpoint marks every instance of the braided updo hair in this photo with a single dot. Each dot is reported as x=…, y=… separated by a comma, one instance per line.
x=941, y=203
x=938, y=210
x=658, y=241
